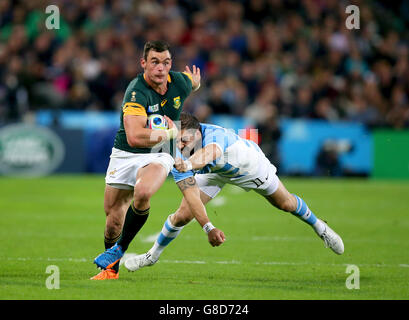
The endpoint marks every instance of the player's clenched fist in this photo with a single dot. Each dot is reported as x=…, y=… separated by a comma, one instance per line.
x=181, y=165
x=216, y=237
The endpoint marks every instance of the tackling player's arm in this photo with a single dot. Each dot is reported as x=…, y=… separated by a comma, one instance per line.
x=138, y=136
x=199, y=159
x=191, y=193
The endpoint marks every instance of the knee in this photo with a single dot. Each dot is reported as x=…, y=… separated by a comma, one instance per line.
x=142, y=194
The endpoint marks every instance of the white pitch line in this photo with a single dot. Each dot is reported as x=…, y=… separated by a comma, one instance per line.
x=293, y=239
x=150, y=238
x=231, y=262
x=50, y=259
x=184, y=261
x=228, y=262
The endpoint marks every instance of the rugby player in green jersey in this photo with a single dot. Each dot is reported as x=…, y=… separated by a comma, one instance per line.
x=135, y=173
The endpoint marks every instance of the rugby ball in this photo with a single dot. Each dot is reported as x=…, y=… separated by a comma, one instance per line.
x=157, y=122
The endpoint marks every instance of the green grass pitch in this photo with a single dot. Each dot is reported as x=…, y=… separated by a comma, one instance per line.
x=268, y=254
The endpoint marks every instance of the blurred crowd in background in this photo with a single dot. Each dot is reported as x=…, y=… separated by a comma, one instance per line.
x=262, y=59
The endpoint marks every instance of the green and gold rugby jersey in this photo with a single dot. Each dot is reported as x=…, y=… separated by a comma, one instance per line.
x=141, y=99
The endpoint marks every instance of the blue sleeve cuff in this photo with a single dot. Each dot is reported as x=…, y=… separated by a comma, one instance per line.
x=179, y=176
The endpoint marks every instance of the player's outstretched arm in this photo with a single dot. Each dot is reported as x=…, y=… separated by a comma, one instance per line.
x=191, y=193
x=199, y=159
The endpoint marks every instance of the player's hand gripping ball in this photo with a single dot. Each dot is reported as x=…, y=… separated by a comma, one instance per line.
x=157, y=122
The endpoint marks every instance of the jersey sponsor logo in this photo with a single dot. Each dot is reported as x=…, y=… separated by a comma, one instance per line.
x=154, y=108
x=27, y=150
x=176, y=102
x=133, y=96
x=163, y=102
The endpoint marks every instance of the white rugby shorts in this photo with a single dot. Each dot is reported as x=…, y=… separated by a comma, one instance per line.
x=265, y=181
x=123, y=166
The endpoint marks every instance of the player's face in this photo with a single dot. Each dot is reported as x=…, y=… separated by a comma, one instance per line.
x=190, y=141
x=157, y=66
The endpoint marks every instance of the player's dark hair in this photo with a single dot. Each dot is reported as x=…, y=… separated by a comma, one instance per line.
x=157, y=45
x=188, y=121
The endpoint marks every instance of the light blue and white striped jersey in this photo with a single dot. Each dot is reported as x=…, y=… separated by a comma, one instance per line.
x=240, y=157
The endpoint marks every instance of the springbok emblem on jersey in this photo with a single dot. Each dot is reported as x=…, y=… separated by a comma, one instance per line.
x=176, y=102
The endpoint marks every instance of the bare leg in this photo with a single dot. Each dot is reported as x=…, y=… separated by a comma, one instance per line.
x=282, y=199
x=183, y=215
x=148, y=180
x=288, y=202
x=116, y=202
x=174, y=225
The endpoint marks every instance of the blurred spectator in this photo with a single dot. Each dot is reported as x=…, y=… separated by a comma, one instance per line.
x=270, y=134
x=323, y=110
x=296, y=56
x=327, y=161
x=358, y=109
x=328, y=158
x=303, y=105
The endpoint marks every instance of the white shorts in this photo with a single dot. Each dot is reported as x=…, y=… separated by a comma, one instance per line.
x=123, y=166
x=264, y=182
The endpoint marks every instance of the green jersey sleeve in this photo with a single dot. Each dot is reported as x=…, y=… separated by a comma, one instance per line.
x=134, y=103
x=187, y=82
